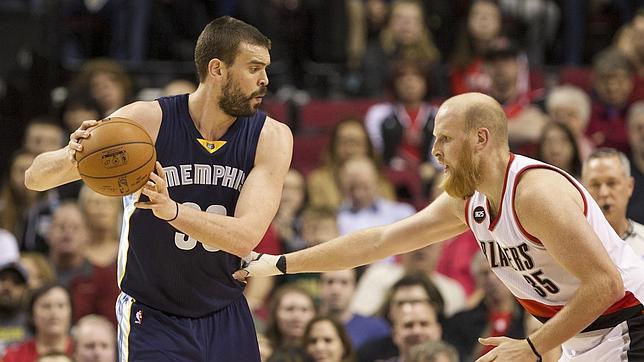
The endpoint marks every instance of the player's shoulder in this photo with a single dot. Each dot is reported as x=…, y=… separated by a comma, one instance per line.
x=542, y=187
x=146, y=113
x=274, y=129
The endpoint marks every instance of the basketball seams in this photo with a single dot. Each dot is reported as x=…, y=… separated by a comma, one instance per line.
x=115, y=146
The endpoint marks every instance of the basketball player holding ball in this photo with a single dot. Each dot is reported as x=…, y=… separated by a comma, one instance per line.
x=221, y=165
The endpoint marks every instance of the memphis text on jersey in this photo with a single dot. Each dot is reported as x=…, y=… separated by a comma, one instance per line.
x=201, y=174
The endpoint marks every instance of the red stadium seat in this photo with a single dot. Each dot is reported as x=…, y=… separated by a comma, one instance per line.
x=324, y=114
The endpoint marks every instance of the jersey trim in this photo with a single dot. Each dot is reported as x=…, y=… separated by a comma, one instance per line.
x=505, y=184
x=467, y=210
x=517, y=178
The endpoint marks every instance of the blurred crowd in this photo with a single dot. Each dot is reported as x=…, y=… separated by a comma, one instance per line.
x=359, y=82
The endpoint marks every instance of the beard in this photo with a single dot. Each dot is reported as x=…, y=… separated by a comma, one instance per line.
x=461, y=181
x=235, y=103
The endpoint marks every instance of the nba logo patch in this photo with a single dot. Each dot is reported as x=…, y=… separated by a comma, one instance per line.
x=138, y=317
x=479, y=214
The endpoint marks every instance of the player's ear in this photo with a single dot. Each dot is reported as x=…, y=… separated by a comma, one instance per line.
x=482, y=137
x=215, y=67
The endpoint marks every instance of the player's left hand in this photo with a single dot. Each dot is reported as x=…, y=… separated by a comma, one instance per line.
x=507, y=349
x=156, y=189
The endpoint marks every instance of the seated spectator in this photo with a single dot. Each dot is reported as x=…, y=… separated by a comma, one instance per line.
x=496, y=314
x=571, y=106
x=326, y=340
x=630, y=41
x=460, y=268
x=292, y=308
x=106, y=82
x=406, y=37
x=558, y=147
x=507, y=67
x=607, y=176
x=413, y=324
x=613, y=82
x=38, y=268
x=54, y=357
x=432, y=351
x=50, y=313
x=42, y=135
x=93, y=288
x=13, y=298
x=290, y=354
x=287, y=220
x=103, y=215
x=178, y=86
x=483, y=24
x=76, y=109
x=363, y=206
x=94, y=340
x=378, y=278
x=348, y=139
x=337, y=289
x=401, y=130
x=409, y=290
x=635, y=128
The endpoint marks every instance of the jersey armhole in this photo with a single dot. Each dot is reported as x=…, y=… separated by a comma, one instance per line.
x=518, y=176
x=467, y=212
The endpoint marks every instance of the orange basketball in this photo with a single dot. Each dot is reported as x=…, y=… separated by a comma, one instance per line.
x=117, y=157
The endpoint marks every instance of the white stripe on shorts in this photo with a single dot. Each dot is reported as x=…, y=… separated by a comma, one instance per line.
x=123, y=311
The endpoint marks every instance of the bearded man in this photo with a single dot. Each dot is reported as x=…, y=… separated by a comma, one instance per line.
x=541, y=231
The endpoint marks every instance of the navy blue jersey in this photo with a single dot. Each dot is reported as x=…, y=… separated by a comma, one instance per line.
x=162, y=267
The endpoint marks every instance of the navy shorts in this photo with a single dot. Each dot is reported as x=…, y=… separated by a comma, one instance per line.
x=148, y=334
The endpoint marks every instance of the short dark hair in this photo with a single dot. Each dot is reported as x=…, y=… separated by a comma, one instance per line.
x=348, y=354
x=221, y=38
x=412, y=280
x=39, y=293
x=609, y=60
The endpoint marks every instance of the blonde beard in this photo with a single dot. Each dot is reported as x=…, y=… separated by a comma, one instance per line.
x=461, y=181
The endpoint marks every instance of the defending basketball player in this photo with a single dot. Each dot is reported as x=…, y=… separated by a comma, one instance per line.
x=215, y=191
x=540, y=230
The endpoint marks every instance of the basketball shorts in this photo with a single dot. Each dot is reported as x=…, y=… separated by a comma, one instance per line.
x=148, y=334
x=624, y=342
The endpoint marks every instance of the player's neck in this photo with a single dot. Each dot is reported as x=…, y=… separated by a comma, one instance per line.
x=493, y=177
x=209, y=119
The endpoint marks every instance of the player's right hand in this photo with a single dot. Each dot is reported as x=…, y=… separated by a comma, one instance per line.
x=74, y=139
x=261, y=265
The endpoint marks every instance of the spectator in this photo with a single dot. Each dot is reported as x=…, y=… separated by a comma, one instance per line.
x=630, y=41
x=94, y=340
x=106, y=82
x=507, y=67
x=93, y=288
x=265, y=347
x=50, y=312
x=337, y=289
x=103, y=215
x=636, y=141
x=414, y=324
x=288, y=221
x=8, y=247
x=23, y=212
x=432, y=351
x=558, y=147
x=570, y=105
x=380, y=277
x=402, y=130
x=496, y=314
x=326, y=340
x=54, y=357
x=483, y=24
x=349, y=139
x=13, y=295
x=178, y=86
x=607, y=176
x=409, y=290
x=292, y=308
x=42, y=135
x=406, y=37
x=78, y=108
x=613, y=82
x=363, y=207
x=38, y=268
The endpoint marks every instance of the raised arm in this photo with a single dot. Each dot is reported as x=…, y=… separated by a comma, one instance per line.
x=256, y=207
x=551, y=208
x=442, y=219
x=55, y=168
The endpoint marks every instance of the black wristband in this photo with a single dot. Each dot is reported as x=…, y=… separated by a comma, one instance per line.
x=534, y=350
x=281, y=264
x=175, y=215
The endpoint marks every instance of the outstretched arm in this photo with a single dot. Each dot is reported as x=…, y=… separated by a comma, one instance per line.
x=441, y=220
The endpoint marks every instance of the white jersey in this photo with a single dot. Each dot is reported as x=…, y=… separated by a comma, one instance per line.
x=520, y=260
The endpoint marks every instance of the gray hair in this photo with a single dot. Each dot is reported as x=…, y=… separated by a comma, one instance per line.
x=569, y=95
x=607, y=152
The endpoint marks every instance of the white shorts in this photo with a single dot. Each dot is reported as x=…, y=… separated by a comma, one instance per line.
x=624, y=342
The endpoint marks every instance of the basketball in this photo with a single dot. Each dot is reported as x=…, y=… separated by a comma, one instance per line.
x=117, y=158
